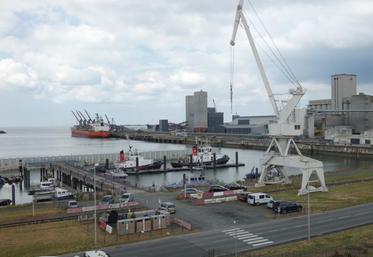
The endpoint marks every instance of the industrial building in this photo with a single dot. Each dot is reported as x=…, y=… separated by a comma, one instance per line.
x=215, y=121
x=163, y=125
x=196, y=111
x=346, y=118
x=249, y=125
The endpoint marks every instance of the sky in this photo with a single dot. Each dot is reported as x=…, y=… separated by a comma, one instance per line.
x=136, y=60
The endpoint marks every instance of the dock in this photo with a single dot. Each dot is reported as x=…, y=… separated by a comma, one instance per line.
x=79, y=178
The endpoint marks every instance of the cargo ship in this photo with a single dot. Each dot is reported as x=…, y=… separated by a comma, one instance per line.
x=88, y=127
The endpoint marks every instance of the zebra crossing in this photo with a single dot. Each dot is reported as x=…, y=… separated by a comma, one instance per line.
x=247, y=237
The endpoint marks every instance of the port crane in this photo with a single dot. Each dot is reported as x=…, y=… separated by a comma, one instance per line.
x=278, y=159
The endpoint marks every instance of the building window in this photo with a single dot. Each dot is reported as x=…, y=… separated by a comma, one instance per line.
x=297, y=127
x=367, y=141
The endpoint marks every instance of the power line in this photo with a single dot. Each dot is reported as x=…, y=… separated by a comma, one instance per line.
x=289, y=70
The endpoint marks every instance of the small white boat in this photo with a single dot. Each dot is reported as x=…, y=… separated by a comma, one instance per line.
x=62, y=194
x=117, y=173
x=46, y=185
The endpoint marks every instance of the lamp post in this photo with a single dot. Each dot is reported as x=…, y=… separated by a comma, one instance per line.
x=235, y=243
x=95, y=203
x=309, y=207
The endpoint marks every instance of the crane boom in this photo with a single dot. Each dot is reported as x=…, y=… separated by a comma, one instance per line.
x=76, y=117
x=108, y=121
x=89, y=117
x=241, y=17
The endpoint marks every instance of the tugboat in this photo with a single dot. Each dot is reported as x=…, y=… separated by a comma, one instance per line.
x=202, y=155
x=91, y=128
x=134, y=161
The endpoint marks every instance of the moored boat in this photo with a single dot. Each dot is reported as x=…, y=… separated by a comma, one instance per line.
x=135, y=161
x=202, y=155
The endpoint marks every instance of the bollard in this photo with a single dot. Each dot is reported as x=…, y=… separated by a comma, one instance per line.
x=106, y=163
x=13, y=194
x=236, y=158
x=214, y=161
x=164, y=162
x=20, y=167
x=137, y=163
x=190, y=162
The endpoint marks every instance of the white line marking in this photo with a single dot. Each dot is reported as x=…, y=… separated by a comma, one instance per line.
x=232, y=229
x=252, y=239
x=264, y=243
x=233, y=232
x=245, y=237
x=257, y=241
x=299, y=226
x=237, y=233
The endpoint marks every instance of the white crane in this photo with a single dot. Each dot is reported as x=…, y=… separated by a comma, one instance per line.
x=277, y=159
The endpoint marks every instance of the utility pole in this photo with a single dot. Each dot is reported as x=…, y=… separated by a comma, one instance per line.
x=235, y=242
x=94, y=197
x=309, y=207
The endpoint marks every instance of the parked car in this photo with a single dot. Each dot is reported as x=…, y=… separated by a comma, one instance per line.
x=96, y=253
x=4, y=202
x=168, y=206
x=274, y=203
x=258, y=198
x=72, y=204
x=126, y=197
x=235, y=186
x=190, y=191
x=285, y=207
x=108, y=199
x=243, y=196
x=217, y=188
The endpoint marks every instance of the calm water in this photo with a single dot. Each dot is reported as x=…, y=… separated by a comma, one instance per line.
x=26, y=142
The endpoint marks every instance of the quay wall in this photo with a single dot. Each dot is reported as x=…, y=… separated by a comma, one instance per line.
x=308, y=147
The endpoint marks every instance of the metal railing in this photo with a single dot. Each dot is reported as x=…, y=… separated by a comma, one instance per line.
x=13, y=163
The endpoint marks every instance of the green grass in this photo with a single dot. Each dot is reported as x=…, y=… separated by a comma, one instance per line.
x=43, y=239
x=23, y=212
x=57, y=238
x=350, y=243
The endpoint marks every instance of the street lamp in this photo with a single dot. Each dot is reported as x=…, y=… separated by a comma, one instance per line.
x=235, y=243
x=94, y=197
x=309, y=207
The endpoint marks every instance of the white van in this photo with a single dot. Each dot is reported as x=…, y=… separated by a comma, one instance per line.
x=258, y=198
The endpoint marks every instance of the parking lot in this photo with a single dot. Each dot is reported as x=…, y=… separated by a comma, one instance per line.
x=210, y=216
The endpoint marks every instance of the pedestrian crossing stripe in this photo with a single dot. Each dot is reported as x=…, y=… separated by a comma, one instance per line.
x=247, y=237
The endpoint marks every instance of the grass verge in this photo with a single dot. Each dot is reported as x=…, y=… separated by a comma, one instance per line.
x=50, y=239
x=356, y=242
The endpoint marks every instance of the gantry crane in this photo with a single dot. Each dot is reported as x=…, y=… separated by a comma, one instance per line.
x=278, y=159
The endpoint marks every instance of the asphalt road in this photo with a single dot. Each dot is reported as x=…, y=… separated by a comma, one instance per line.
x=240, y=238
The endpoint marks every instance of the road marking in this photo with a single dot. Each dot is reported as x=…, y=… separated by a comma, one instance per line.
x=247, y=236
x=238, y=233
x=274, y=230
x=257, y=241
x=264, y=243
x=253, y=239
x=227, y=230
x=299, y=226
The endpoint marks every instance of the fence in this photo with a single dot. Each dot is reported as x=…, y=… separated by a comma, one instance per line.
x=13, y=163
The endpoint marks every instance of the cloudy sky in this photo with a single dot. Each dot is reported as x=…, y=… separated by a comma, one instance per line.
x=136, y=60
